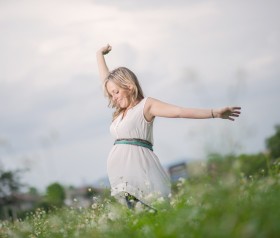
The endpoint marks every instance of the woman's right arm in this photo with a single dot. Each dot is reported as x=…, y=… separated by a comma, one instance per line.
x=102, y=66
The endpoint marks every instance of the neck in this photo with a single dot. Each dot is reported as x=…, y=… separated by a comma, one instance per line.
x=132, y=104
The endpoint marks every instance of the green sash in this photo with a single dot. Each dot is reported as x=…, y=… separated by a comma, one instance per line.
x=134, y=141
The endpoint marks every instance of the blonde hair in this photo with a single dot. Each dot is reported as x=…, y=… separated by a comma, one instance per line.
x=124, y=78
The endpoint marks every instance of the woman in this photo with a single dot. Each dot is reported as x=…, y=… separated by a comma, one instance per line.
x=134, y=171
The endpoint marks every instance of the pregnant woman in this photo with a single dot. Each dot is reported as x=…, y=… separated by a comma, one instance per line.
x=135, y=173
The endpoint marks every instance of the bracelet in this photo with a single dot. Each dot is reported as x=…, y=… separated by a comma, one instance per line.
x=212, y=113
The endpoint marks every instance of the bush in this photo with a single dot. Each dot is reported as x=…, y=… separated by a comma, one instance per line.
x=201, y=208
x=249, y=166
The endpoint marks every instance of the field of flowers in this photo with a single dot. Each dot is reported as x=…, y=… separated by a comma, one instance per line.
x=228, y=206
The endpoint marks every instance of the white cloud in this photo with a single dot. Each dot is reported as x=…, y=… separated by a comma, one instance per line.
x=192, y=53
x=258, y=64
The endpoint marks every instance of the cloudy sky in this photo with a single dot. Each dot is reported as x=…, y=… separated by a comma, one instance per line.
x=54, y=119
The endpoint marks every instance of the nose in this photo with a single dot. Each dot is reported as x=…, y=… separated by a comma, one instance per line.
x=114, y=97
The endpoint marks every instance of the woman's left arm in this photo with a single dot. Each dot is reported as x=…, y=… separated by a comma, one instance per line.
x=102, y=66
x=156, y=108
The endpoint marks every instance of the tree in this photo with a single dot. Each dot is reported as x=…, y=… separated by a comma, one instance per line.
x=9, y=183
x=273, y=144
x=33, y=191
x=55, y=195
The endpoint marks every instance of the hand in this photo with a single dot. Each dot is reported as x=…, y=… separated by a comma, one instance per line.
x=227, y=113
x=105, y=49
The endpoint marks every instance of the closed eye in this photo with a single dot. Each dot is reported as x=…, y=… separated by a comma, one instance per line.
x=113, y=92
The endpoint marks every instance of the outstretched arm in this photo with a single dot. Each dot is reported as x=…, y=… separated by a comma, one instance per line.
x=102, y=66
x=155, y=108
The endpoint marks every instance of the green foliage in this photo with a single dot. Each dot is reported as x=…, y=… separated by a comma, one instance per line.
x=237, y=197
x=273, y=143
x=55, y=196
x=255, y=165
x=226, y=207
x=33, y=191
x=9, y=182
x=275, y=167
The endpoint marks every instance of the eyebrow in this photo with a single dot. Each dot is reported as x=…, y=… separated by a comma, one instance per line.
x=113, y=91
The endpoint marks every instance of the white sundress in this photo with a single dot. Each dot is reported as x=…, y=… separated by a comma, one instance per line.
x=135, y=169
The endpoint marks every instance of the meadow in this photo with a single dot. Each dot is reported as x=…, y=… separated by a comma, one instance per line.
x=228, y=205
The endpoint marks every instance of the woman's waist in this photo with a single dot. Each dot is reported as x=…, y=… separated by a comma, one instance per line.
x=135, y=141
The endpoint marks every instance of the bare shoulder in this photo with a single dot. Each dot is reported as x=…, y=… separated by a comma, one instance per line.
x=147, y=108
x=151, y=102
x=157, y=108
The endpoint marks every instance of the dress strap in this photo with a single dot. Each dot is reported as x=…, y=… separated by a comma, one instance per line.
x=135, y=141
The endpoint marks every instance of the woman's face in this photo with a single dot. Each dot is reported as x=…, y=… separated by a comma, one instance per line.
x=120, y=96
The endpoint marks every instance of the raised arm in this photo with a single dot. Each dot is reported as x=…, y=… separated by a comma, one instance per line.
x=155, y=108
x=102, y=66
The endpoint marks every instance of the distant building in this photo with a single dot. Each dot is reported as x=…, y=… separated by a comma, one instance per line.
x=11, y=207
x=102, y=183
x=177, y=171
x=81, y=196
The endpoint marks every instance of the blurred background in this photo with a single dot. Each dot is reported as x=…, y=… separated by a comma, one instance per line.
x=54, y=119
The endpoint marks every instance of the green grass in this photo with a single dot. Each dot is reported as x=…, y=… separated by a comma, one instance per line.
x=203, y=207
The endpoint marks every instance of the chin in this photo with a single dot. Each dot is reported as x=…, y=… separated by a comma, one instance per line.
x=123, y=104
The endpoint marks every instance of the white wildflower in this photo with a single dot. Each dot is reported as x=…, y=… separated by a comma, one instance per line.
x=113, y=216
x=182, y=180
x=152, y=211
x=139, y=207
x=102, y=222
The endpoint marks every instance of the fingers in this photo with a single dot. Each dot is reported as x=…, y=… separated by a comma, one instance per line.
x=235, y=109
x=230, y=117
x=233, y=112
x=109, y=48
x=106, y=49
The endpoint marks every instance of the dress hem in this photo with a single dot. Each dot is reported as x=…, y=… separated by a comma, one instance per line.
x=119, y=192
